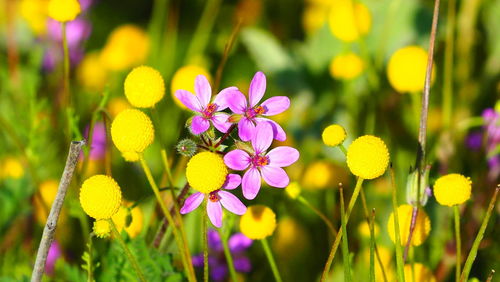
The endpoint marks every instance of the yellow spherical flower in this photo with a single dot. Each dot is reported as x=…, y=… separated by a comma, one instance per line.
x=258, y=222
x=314, y=17
x=132, y=132
x=406, y=69
x=452, y=189
x=367, y=157
x=184, y=79
x=422, y=226
x=333, y=135
x=419, y=273
x=127, y=46
x=100, y=196
x=91, y=74
x=35, y=13
x=293, y=190
x=102, y=228
x=134, y=227
x=290, y=238
x=43, y=203
x=364, y=229
x=117, y=105
x=63, y=10
x=11, y=168
x=346, y=66
x=349, y=20
x=144, y=87
x=206, y=172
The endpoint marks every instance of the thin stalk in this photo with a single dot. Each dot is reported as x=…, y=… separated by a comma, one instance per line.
x=458, y=242
x=227, y=49
x=413, y=224
x=343, y=149
x=130, y=257
x=345, y=242
x=399, y=251
x=372, y=247
x=229, y=258
x=490, y=277
x=205, y=241
x=271, y=260
x=319, y=213
x=475, y=246
x=90, y=276
x=225, y=136
x=448, y=64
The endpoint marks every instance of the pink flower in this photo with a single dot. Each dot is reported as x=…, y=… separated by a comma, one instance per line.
x=251, y=114
x=261, y=164
x=206, y=111
x=216, y=200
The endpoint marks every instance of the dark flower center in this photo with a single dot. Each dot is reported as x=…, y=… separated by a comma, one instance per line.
x=213, y=196
x=209, y=110
x=258, y=161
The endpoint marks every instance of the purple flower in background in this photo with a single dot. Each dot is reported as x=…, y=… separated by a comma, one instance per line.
x=261, y=164
x=238, y=244
x=98, y=146
x=216, y=200
x=474, y=140
x=251, y=114
x=206, y=111
x=52, y=257
x=77, y=31
x=492, y=128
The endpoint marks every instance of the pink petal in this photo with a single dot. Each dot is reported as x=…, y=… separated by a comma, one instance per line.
x=251, y=183
x=221, y=100
x=232, y=203
x=279, y=133
x=214, y=210
x=257, y=88
x=232, y=181
x=199, y=125
x=237, y=159
x=219, y=120
x=202, y=89
x=237, y=102
x=188, y=99
x=282, y=156
x=246, y=129
x=275, y=176
x=192, y=202
x=263, y=137
x=276, y=105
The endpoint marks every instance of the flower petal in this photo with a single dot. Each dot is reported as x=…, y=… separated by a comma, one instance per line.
x=232, y=203
x=203, y=90
x=188, y=99
x=242, y=264
x=192, y=202
x=263, y=137
x=246, y=129
x=214, y=210
x=214, y=241
x=283, y=156
x=275, y=176
x=275, y=105
x=221, y=100
x=237, y=159
x=279, y=133
x=239, y=242
x=232, y=181
x=237, y=102
x=218, y=271
x=197, y=260
x=199, y=125
x=219, y=120
x=251, y=183
x=257, y=88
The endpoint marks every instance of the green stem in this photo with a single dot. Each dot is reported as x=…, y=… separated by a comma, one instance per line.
x=90, y=277
x=319, y=213
x=130, y=257
x=399, y=251
x=271, y=260
x=229, y=258
x=343, y=149
x=345, y=243
x=448, y=65
x=205, y=241
x=458, y=241
x=475, y=246
x=372, y=248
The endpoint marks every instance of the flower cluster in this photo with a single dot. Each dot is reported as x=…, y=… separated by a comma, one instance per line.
x=208, y=172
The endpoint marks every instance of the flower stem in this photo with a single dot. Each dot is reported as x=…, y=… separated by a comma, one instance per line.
x=130, y=257
x=372, y=248
x=399, y=251
x=271, y=260
x=448, y=64
x=345, y=243
x=319, y=213
x=458, y=241
x=229, y=258
x=226, y=135
x=205, y=241
x=343, y=149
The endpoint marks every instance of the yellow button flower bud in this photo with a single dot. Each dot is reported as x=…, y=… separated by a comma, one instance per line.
x=206, y=172
x=91, y=74
x=346, y=66
x=333, y=135
x=100, y=196
x=452, y=189
x=144, y=87
x=422, y=226
x=11, y=168
x=367, y=157
x=293, y=190
x=349, y=20
x=406, y=69
x=132, y=132
x=63, y=10
x=102, y=228
x=258, y=222
x=184, y=79
x=127, y=46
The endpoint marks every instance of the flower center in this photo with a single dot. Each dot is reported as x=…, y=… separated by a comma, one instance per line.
x=252, y=112
x=209, y=110
x=213, y=196
x=258, y=161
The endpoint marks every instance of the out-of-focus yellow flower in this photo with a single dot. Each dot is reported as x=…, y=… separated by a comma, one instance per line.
x=184, y=79
x=91, y=73
x=43, y=201
x=452, y=189
x=406, y=69
x=314, y=17
x=63, y=10
x=364, y=229
x=333, y=135
x=323, y=174
x=290, y=238
x=11, y=168
x=293, y=190
x=419, y=273
x=135, y=226
x=367, y=157
x=346, y=66
x=100, y=196
x=349, y=20
x=35, y=13
x=144, y=87
x=117, y=105
x=422, y=226
x=258, y=222
x=206, y=172
x=435, y=119
x=127, y=46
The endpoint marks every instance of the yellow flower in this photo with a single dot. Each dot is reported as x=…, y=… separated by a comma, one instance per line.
x=314, y=17
x=91, y=74
x=102, y=228
x=367, y=157
x=35, y=13
x=100, y=196
x=184, y=79
x=293, y=190
x=333, y=135
x=349, y=20
x=63, y=10
x=11, y=168
x=346, y=66
x=132, y=132
x=42, y=204
x=135, y=225
x=144, y=87
x=258, y=222
x=206, y=172
x=364, y=229
x=117, y=105
x=290, y=238
x=127, y=46
x=452, y=189
x=406, y=69
x=422, y=226
x=420, y=273
x=323, y=174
